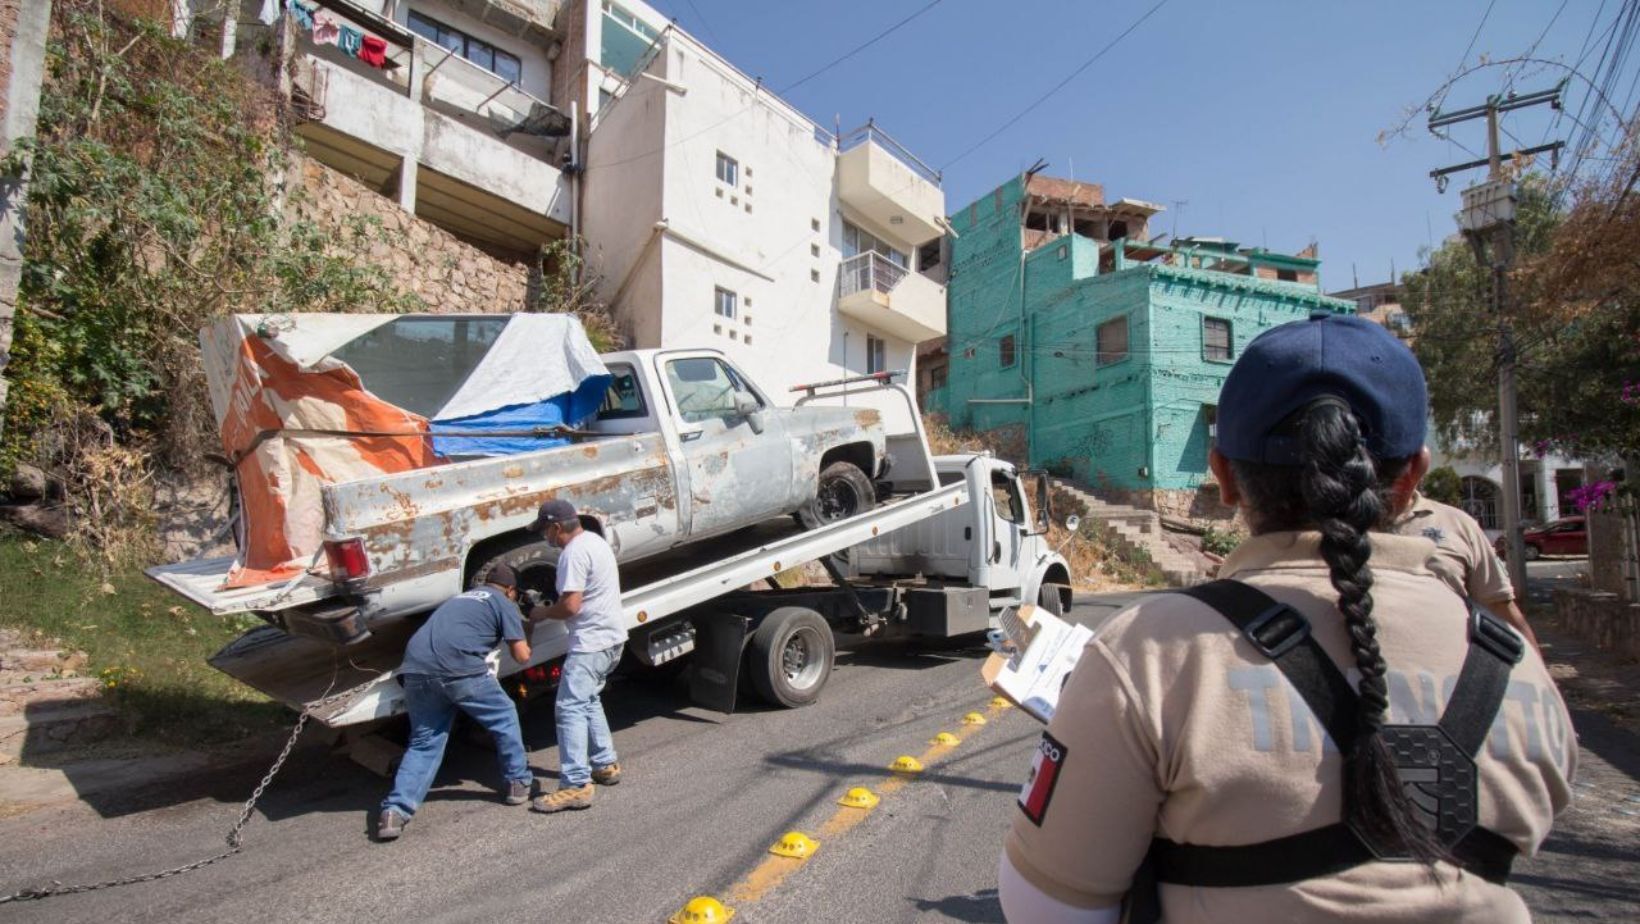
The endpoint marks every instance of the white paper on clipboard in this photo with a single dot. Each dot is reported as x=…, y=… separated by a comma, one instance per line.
x=1043, y=651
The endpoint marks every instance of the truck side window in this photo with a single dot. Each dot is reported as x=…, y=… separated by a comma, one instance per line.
x=624, y=399
x=705, y=388
x=1008, y=503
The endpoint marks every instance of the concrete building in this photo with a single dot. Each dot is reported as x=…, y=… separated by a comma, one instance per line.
x=1102, y=350
x=1381, y=302
x=716, y=214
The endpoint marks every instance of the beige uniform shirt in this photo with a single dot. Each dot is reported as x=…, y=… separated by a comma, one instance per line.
x=1465, y=561
x=1172, y=725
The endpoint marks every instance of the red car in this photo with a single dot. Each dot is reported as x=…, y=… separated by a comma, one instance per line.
x=1565, y=536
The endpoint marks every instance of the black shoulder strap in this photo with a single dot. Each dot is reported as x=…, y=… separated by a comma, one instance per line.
x=1282, y=634
x=1494, y=649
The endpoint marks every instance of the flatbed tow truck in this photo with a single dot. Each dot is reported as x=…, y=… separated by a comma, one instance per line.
x=941, y=563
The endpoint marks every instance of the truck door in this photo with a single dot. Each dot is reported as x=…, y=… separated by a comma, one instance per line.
x=1009, y=528
x=738, y=456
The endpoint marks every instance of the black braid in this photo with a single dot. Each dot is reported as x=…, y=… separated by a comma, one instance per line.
x=1341, y=491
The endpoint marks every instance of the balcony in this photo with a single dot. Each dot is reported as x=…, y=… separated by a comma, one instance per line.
x=449, y=118
x=883, y=181
x=888, y=297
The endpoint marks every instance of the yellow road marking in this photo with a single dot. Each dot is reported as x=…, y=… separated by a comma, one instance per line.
x=774, y=870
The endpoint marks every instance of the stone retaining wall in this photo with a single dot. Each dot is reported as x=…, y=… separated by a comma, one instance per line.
x=1600, y=618
x=449, y=275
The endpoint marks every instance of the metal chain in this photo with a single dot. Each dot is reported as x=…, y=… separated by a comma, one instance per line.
x=235, y=840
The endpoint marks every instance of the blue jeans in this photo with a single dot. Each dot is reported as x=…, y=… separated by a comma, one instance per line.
x=432, y=702
x=581, y=723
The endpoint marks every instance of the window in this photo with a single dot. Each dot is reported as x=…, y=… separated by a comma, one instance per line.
x=624, y=399
x=626, y=39
x=857, y=241
x=1005, y=498
x=705, y=388
x=938, y=376
x=876, y=354
x=1216, y=346
x=479, y=52
x=1112, y=337
x=930, y=254
x=1006, y=352
x=728, y=169
x=1287, y=275
x=420, y=363
x=725, y=302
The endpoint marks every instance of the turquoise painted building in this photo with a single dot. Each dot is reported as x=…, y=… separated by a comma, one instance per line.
x=1101, y=352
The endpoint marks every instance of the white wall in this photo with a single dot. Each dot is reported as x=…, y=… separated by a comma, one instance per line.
x=620, y=205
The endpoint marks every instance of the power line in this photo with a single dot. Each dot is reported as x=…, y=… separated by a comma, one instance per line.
x=861, y=47
x=1471, y=46
x=1056, y=87
x=709, y=30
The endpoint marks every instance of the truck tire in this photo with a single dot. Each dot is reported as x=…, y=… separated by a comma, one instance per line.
x=534, y=559
x=790, y=656
x=844, y=491
x=1051, y=598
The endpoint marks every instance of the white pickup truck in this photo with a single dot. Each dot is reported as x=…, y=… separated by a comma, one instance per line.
x=685, y=447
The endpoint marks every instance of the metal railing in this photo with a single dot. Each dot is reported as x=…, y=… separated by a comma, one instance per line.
x=869, y=132
x=869, y=271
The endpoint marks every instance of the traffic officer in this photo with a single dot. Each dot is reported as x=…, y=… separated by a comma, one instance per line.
x=1254, y=746
x=1464, y=560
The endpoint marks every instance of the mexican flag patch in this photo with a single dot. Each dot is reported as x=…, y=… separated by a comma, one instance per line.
x=1038, y=789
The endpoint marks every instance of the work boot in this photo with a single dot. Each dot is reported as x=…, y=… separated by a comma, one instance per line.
x=607, y=776
x=568, y=798
x=390, y=825
x=518, y=792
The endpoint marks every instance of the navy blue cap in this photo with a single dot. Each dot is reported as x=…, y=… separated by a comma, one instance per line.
x=552, y=511
x=1344, y=357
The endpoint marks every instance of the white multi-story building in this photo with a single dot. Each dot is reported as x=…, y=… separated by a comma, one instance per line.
x=716, y=214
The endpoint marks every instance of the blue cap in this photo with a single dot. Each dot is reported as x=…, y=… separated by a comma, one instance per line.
x=1343, y=357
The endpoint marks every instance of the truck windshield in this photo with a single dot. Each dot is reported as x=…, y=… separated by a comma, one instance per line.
x=419, y=363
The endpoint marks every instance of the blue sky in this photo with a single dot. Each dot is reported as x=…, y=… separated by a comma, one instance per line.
x=1263, y=116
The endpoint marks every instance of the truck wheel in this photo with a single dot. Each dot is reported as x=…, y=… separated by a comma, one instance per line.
x=1533, y=553
x=791, y=656
x=1051, y=598
x=844, y=491
x=534, y=560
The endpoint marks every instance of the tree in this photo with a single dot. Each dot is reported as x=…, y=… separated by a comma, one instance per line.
x=1572, y=304
x=1443, y=484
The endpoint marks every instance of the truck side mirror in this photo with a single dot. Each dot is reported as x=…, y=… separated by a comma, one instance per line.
x=1072, y=523
x=748, y=407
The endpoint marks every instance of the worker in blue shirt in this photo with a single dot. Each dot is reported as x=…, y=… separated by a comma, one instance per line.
x=444, y=670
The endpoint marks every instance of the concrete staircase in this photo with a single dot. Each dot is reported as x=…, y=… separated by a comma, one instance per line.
x=45, y=706
x=1138, y=534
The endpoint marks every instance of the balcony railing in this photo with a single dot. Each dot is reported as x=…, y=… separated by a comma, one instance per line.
x=869, y=271
x=869, y=132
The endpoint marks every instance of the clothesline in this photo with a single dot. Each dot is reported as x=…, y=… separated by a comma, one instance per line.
x=327, y=30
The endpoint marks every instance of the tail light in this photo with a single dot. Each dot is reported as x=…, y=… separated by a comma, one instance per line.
x=347, y=558
x=543, y=673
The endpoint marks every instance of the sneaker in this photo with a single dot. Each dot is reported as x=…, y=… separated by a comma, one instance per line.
x=569, y=798
x=607, y=776
x=390, y=825
x=518, y=792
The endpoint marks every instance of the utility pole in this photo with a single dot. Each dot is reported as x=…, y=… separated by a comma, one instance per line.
x=1488, y=223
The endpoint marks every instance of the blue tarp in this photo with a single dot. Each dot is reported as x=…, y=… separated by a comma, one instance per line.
x=569, y=409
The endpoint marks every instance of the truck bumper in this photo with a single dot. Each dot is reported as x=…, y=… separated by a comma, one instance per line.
x=340, y=622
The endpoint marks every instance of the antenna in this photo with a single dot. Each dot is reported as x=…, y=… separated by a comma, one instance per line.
x=1178, y=207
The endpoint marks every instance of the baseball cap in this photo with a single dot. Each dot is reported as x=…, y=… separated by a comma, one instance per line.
x=1339, y=357
x=502, y=576
x=552, y=511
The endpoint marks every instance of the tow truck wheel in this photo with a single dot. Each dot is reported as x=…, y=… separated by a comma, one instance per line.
x=1051, y=597
x=843, y=492
x=790, y=657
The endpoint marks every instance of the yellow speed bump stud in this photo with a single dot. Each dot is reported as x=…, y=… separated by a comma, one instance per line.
x=795, y=844
x=702, y=909
x=973, y=718
x=859, y=797
x=905, y=763
x=1000, y=702
x=946, y=739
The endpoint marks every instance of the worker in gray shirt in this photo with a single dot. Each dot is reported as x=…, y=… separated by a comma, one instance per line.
x=444, y=670
x=589, y=603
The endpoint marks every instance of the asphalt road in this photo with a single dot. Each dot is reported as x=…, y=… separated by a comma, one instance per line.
x=704, y=797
